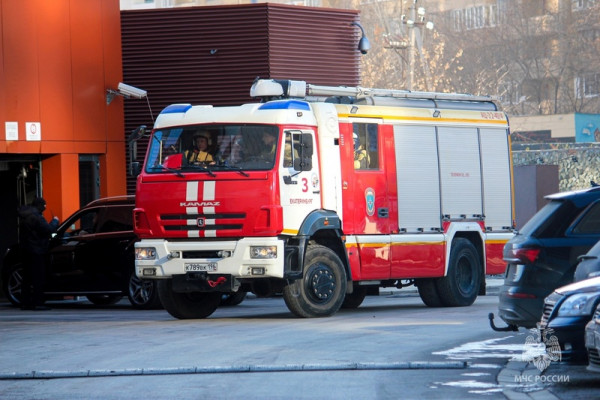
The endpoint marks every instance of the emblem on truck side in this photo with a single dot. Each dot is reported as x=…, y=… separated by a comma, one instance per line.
x=370, y=200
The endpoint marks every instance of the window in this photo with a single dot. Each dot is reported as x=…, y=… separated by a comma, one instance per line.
x=457, y=17
x=84, y=224
x=511, y=93
x=297, y=150
x=366, y=148
x=116, y=219
x=477, y=17
x=224, y=147
x=587, y=85
x=590, y=222
x=582, y=4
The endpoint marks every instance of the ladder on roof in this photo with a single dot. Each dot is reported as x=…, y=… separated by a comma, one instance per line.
x=300, y=89
x=360, y=92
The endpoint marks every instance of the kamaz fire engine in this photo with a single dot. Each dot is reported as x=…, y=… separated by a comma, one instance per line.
x=324, y=194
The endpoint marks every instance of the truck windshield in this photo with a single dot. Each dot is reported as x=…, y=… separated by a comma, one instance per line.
x=209, y=148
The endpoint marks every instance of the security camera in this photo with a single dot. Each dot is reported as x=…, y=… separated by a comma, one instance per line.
x=131, y=91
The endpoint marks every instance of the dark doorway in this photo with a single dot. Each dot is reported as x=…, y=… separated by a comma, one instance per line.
x=20, y=180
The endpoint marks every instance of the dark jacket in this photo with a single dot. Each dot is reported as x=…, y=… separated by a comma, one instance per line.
x=35, y=230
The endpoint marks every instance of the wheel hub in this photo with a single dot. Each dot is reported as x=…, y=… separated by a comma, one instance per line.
x=321, y=283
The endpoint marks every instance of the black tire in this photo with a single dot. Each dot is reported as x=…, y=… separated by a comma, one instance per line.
x=233, y=298
x=142, y=293
x=459, y=288
x=322, y=289
x=187, y=305
x=13, y=284
x=104, y=299
x=428, y=292
x=355, y=299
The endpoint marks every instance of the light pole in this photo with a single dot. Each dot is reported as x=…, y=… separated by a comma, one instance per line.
x=410, y=38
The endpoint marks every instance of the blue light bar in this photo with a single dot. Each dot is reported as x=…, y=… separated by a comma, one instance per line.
x=176, y=108
x=285, y=105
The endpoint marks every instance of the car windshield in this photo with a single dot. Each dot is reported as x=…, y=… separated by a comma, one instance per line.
x=209, y=148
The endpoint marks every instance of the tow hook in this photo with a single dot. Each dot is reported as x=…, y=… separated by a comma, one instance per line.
x=507, y=328
x=216, y=283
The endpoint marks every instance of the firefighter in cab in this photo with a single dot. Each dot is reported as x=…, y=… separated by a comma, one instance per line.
x=200, y=154
x=361, y=158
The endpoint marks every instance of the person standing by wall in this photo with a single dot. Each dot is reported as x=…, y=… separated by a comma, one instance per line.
x=34, y=236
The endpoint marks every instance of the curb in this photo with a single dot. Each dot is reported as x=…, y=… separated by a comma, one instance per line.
x=235, y=369
x=521, y=380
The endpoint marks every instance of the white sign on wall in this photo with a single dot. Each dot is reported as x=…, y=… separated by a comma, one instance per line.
x=11, y=130
x=33, y=130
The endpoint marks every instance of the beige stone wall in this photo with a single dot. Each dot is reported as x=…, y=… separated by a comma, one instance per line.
x=579, y=163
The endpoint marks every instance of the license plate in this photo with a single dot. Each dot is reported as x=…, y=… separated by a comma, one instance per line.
x=196, y=267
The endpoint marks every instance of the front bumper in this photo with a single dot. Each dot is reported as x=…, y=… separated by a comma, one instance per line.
x=172, y=258
x=570, y=332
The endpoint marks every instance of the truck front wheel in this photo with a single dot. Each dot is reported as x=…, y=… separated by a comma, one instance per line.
x=428, y=291
x=460, y=286
x=321, y=290
x=187, y=305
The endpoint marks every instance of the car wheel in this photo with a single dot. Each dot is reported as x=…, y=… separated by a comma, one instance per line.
x=104, y=299
x=187, y=305
x=428, y=292
x=322, y=289
x=13, y=284
x=355, y=299
x=142, y=293
x=460, y=286
x=233, y=299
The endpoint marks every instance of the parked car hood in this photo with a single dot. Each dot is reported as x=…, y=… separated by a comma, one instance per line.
x=587, y=285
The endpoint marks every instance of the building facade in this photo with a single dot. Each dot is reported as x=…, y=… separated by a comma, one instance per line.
x=61, y=140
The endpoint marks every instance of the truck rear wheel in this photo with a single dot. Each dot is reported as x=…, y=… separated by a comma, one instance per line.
x=187, y=305
x=460, y=286
x=321, y=290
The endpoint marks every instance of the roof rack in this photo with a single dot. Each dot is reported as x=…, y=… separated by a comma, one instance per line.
x=271, y=88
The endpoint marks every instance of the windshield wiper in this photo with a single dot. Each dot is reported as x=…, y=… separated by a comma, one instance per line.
x=176, y=172
x=203, y=168
x=235, y=168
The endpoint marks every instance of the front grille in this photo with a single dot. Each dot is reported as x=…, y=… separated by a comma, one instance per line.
x=596, y=316
x=231, y=223
x=549, y=305
x=594, y=357
x=200, y=254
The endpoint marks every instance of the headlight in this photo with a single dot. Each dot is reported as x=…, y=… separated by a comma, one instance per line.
x=578, y=304
x=263, y=252
x=145, y=253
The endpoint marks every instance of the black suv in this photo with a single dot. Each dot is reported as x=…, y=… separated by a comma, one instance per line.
x=92, y=255
x=543, y=254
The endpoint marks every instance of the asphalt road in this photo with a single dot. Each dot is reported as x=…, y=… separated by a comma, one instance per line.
x=392, y=347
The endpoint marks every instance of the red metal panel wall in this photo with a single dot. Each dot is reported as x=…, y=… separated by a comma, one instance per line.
x=211, y=55
x=317, y=45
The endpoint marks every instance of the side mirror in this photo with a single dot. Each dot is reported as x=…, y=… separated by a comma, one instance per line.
x=135, y=167
x=306, y=145
x=303, y=164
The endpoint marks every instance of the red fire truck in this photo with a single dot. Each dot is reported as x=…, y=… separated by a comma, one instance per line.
x=322, y=194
